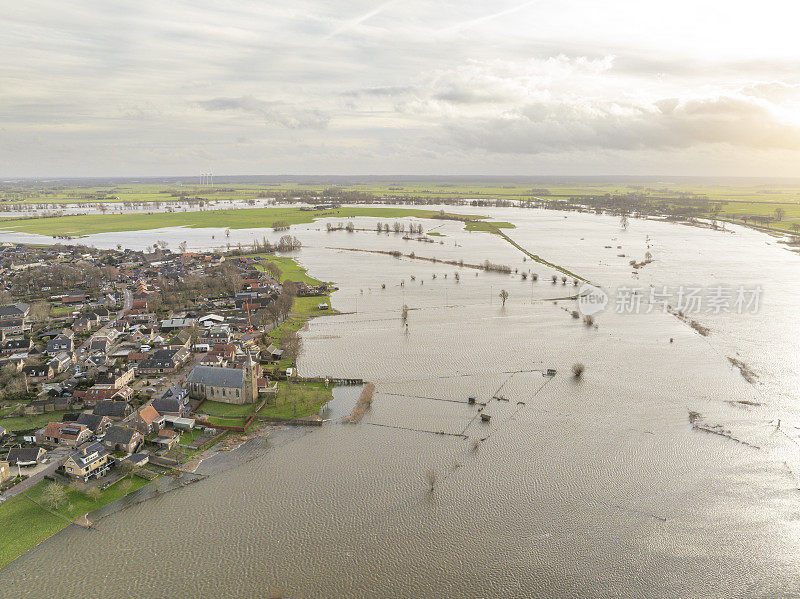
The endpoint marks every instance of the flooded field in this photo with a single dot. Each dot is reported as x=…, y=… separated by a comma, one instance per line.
x=599, y=486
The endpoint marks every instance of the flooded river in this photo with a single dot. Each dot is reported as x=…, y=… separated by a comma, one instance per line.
x=590, y=487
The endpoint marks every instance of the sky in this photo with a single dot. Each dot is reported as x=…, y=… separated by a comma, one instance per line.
x=503, y=87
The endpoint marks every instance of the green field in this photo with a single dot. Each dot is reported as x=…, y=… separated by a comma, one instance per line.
x=290, y=269
x=296, y=400
x=244, y=218
x=736, y=199
x=25, y=524
x=488, y=226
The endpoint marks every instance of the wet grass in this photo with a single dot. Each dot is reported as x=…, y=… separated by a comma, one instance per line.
x=296, y=399
x=221, y=409
x=488, y=226
x=22, y=423
x=243, y=218
x=24, y=523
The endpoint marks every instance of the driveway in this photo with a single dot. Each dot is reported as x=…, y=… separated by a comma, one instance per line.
x=56, y=458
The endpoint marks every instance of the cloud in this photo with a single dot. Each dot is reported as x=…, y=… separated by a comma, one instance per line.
x=667, y=124
x=276, y=113
x=376, y=86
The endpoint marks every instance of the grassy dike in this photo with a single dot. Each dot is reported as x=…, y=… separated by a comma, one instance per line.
x=25, y=521
x=242, y=218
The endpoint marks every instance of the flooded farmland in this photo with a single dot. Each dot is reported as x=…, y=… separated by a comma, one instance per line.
x=601, y=485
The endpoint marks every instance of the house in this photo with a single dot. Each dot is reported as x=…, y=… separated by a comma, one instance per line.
x=164, y=360
x=92, y=461
x=169, y=407
x=116, y=377
x=3, y=433
x=213, y=358
x=136, y=357
x=115, y=410
x=177, y=392
x=229, y=385
x=220, y=333
x=148, y=420
x=62, y=362
x=94, y=422
x=14, y=326
x=166, y=438
x=174, y=324
x=123, y=438
x=86, y=323
x=17, y=310
x=17, y=345
x=210, y=320
x=61, y=343
x=273, y=354
x=104, y=314
x=63, y=433
x=26, y=456
x=99, y=393
x=100, y=344
x=38, y=372
x=14, y=318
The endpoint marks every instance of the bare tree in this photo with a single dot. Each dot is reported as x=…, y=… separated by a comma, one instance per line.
x=54, y=495
x=39, y=311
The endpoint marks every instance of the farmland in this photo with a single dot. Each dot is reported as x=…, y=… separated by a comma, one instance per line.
x=737, y=199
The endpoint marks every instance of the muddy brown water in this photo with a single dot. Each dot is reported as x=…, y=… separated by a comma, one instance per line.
x=598, y=487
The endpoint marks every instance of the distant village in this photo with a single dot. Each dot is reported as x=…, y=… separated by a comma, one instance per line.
x=107, y=357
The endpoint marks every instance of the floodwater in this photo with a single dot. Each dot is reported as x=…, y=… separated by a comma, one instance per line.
x=598, y=487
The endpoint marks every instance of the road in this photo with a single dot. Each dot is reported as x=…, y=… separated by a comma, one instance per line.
x=56, y=458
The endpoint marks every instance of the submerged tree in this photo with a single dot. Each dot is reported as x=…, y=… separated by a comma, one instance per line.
x=504, y=296
x=577, y=369
x=430, y=478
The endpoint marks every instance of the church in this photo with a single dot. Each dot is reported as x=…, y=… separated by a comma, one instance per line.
x=229, y=385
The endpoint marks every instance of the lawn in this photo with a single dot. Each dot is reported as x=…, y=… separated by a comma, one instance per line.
x=189, y=436
x=23, y=524
x=296, y=400
x=21, y=423
x=290, y=269
x=487, y=226
x=219, y=409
